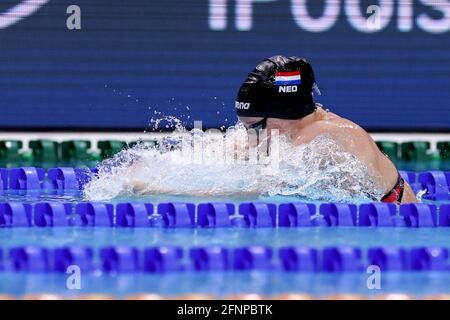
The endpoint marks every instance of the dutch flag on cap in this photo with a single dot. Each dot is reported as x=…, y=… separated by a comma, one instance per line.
x=287, y=78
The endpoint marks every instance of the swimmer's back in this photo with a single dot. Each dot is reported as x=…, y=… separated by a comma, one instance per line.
x=354, y=140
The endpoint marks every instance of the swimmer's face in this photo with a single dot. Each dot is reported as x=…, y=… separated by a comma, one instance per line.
x=259, y=123
x=249, y=121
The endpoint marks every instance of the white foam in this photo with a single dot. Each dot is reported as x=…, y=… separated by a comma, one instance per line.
x=320, y=170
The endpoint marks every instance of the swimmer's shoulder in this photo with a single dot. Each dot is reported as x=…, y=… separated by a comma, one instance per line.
x=332, y=125
x=313, y=130
x=327, y=121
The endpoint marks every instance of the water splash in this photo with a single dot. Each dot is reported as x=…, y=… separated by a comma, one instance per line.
x=420, y=194
x=319, y=170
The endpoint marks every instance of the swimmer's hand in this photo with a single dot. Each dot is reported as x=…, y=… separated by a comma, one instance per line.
x=139, y=186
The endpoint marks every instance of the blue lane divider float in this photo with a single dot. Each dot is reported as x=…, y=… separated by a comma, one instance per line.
x=3, y=179
x=411, y=178
x=253, y=258
x=378, y=215
x=133, y=215
x=299, y=259
x=30, y=259
x=433, y=259
x=345, y=259
x=95, y=214
x=210, y=259
x=419, y=215
x=26, y=178
x=163, y=259
x=15, y=214
x=32, y=178
x=215, y=214
x=81, y=257
x=178, y=214
x=437, y=185
x=120, y=259
x=63, y=178
x=298, y=215
x=388, y=259
x=66, y=178
x=339, y=214
x=444, y=215
x=257, y=214
x=218, y=215
x=52, y=214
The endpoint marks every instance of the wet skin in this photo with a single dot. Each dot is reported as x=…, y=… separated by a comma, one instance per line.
x=349, y=135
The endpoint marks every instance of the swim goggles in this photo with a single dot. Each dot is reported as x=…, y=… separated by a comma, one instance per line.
x=260, y=125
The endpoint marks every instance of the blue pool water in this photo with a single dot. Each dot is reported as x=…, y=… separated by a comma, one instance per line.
x=221, y=283
x=218, y=283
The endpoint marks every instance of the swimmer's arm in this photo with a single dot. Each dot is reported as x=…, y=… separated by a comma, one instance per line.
x=142, y=188
x=138, y=186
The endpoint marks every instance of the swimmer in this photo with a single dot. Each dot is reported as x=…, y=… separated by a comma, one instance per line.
x=278, y=94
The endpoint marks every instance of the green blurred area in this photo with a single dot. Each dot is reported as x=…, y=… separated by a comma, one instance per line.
x=417, y=155
x=71, y=153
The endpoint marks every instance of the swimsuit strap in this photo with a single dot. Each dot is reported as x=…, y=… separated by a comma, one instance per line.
x=396, y=194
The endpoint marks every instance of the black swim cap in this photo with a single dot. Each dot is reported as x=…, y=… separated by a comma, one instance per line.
x=279, y=87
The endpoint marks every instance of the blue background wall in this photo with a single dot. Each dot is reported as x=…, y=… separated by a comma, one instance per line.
x=134, y=57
